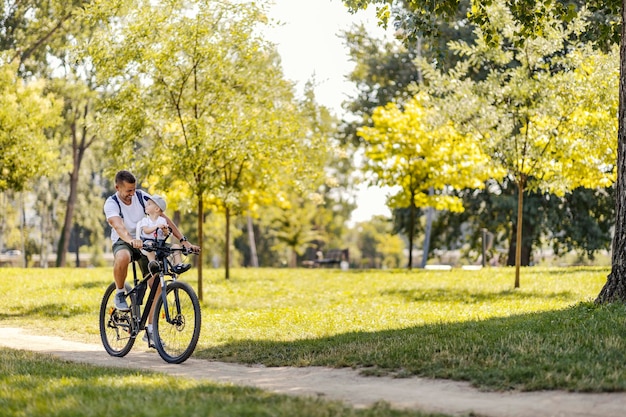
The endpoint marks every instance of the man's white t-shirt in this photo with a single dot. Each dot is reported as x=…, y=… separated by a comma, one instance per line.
x=131, y=214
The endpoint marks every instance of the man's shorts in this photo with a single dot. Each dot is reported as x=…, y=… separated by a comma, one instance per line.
x=136, y=254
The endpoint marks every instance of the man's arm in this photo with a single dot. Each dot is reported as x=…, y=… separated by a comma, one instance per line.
x=178, y=235
x=117, y=223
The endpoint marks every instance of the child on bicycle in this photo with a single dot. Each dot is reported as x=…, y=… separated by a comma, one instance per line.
x=154, y=228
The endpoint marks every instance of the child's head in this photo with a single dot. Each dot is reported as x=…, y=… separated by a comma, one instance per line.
x=159, y=202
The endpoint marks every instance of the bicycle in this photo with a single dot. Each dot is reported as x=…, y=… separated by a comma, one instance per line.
x=176, y=320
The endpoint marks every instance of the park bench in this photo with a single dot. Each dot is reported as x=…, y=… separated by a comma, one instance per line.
x=333, y=257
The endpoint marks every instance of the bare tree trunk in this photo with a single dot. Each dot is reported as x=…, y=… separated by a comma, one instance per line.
x=80, y=143
x=429, y=226
x=66, y=230
x=615, y=287
x=23, y=230
x=254, y=259
x=200, y=243
x=520, y=217
x=227, y=245
x=411, y=229
x=293, y=258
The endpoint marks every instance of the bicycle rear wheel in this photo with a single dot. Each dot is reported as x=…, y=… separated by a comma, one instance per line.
x=176, y=340
x=115, y=326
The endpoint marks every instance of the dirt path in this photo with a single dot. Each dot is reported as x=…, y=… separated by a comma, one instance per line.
x=346, y=385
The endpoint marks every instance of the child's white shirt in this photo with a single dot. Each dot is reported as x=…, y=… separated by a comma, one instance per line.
x=148, y=222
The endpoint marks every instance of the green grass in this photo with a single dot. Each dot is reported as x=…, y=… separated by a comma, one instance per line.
x=463, y=325
x=38, y=385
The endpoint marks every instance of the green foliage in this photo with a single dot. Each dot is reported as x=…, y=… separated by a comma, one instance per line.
x=26, y=112
x=561, y=106
x=293, y=228
x=419, y=17
x=202, y=87
x=201, y=105
x=374, y=245
x=541, y=110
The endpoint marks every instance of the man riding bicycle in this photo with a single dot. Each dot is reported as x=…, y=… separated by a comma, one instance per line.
x=124, y=210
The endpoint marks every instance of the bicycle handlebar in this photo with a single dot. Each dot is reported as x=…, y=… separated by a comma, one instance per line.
x=154, y=248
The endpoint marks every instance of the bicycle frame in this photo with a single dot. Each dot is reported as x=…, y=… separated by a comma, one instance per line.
x=177, y=314
x=138, y=291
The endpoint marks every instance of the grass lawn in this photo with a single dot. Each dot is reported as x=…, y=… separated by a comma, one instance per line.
x=464, y=325
x=36, y=385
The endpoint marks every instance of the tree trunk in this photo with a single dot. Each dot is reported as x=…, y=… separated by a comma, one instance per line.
x=77, y=244
x=66, y=230
x=79, y=146
x=526, y=246
x=254, y=259
x=411, y=229
x=429, y=226
x=293, y=258
x=520, y=218
x=227, y=245
x=615, y=287
x=200, y=243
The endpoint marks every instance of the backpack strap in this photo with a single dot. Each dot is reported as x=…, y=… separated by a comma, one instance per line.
x=140, y=196
x=142, y=199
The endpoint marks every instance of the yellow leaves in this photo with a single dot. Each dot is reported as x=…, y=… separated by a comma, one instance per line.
x=413, y=148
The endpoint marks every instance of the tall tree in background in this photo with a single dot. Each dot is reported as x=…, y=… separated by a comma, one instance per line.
x=416, y=20
x=26, y=112
x=419, y=152
x=544, y=105
x=200, y=101
x=39, y=36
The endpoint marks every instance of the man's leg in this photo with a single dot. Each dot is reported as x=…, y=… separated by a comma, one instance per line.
x=121, y=260
x=147, y=337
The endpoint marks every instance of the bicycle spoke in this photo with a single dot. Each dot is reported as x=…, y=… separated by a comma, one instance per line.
x=179, y=333
x=115, y=326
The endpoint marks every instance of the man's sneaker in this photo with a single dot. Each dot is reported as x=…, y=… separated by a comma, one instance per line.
x=180, y=268
x=120, y=302
x=147, y=337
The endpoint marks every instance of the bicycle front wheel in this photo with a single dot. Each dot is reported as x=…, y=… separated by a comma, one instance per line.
x=176, y=338
x=116, y=327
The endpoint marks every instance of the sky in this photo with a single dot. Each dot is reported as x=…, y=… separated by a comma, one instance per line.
x=310, y=46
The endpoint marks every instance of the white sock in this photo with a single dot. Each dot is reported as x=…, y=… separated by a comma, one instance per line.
x=119, y=290
x=149, y=328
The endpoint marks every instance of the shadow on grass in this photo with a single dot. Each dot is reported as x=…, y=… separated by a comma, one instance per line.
x=53, y=310
x=580, y=348
x=446, y=295
x=38, y=385
x=94, y=284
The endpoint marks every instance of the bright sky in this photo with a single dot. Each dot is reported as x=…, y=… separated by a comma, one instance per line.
x=310, y=46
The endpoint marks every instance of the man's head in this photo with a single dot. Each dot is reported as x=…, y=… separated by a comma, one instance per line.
x=125, y=184
x=124, y=176
x=159, y=202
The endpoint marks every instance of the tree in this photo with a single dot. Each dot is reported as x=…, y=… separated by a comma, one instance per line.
x=200, y=101
x=40, y=40
x=79, y=136
x=421, y=154
x=26, y=112
x=609, y=27
x=543, y=104
x=294, y=229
